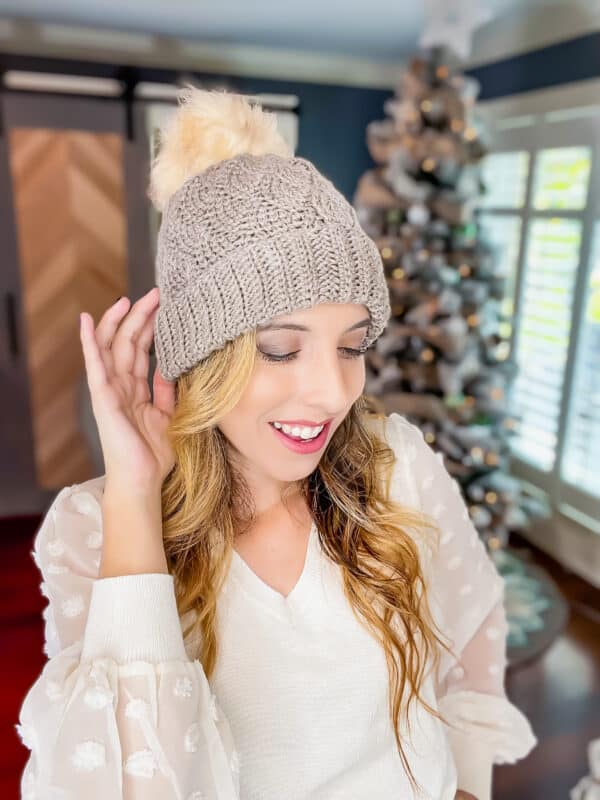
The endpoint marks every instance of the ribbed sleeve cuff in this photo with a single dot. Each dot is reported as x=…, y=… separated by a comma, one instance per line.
x=474, y=765
x=134, y=618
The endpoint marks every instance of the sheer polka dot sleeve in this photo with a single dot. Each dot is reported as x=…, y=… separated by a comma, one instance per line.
x=119, y=709
x=466, y=595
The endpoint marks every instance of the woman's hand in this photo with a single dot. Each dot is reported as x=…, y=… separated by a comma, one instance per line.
x=462, y=795
x=131, y=426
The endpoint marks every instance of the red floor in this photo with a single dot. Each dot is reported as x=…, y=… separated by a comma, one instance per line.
x=21, y=604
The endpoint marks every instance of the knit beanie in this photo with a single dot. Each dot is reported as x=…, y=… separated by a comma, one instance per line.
x=248, y=232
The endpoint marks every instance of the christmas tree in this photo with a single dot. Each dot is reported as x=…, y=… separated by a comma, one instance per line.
x=444, y=360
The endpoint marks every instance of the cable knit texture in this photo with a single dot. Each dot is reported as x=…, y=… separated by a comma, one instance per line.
x=252, y=237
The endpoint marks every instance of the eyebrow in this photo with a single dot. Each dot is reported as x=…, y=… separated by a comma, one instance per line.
x=289, y=326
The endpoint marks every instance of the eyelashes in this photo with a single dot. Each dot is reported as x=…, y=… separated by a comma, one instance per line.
x=350, y=352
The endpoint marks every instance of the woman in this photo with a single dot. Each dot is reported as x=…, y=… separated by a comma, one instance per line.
x=273, y=591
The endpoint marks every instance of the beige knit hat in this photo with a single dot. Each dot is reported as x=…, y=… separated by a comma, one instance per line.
x=248, y=232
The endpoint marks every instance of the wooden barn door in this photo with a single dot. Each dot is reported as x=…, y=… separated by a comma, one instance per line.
x=69, y=212
x=66, y=233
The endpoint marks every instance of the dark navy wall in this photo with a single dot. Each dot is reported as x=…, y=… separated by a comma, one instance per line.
x=332, y=125
x=333, y=119
x=572, y=60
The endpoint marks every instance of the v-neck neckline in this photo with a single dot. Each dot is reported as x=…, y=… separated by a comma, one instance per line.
x=266, y=593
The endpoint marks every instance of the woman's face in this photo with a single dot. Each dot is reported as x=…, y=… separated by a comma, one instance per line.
x=322, y=376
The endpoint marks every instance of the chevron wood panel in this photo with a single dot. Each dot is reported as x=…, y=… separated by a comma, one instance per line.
x=69, y=205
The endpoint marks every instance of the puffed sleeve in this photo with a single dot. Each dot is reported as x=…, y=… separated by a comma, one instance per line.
x=119, y=710
x=466, y=594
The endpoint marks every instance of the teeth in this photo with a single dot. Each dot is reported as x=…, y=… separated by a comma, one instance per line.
x=299, y=432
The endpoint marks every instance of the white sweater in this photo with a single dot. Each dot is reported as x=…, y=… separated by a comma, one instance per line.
x=297, y=706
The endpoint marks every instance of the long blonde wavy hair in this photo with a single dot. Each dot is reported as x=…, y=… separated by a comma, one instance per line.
x=205, y=503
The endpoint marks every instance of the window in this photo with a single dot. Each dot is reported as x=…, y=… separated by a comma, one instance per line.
x=541, y=211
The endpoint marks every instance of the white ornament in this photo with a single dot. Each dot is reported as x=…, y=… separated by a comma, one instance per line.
x=451, y=23
x=418, y=214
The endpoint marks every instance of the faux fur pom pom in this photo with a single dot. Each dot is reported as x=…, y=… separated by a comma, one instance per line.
x=207, y=127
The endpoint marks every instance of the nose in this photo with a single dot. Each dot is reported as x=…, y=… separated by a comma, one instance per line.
x=330, y=384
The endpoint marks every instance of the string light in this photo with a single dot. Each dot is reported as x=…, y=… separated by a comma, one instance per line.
x=457, y=125
x=426, y=105
x=502, y=351
x=429, y=437
x=470, y=134
x=477, y=453
x=491, y=497
x=473, y=320
x=386, y=252
x=464, y=270
x=491, y=459
x=494, y=543
x=442, y=71
x=428, y=164
x=398, y=273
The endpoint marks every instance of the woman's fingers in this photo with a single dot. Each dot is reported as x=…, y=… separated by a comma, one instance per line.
x=163, y=393
x=124, y=341
x=106, y=330
x=142, y=347
x=94, y=365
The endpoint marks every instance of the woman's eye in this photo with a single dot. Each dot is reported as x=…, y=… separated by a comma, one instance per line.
x=349, y=352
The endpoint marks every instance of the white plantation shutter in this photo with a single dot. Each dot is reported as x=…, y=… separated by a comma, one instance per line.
x=505, y=179
x=541, y=211
x=582, y=452
x=561, y=178
x=504, y=233
x=542, y=337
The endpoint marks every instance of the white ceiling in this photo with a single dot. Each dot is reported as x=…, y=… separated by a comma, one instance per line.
x=378, y=30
